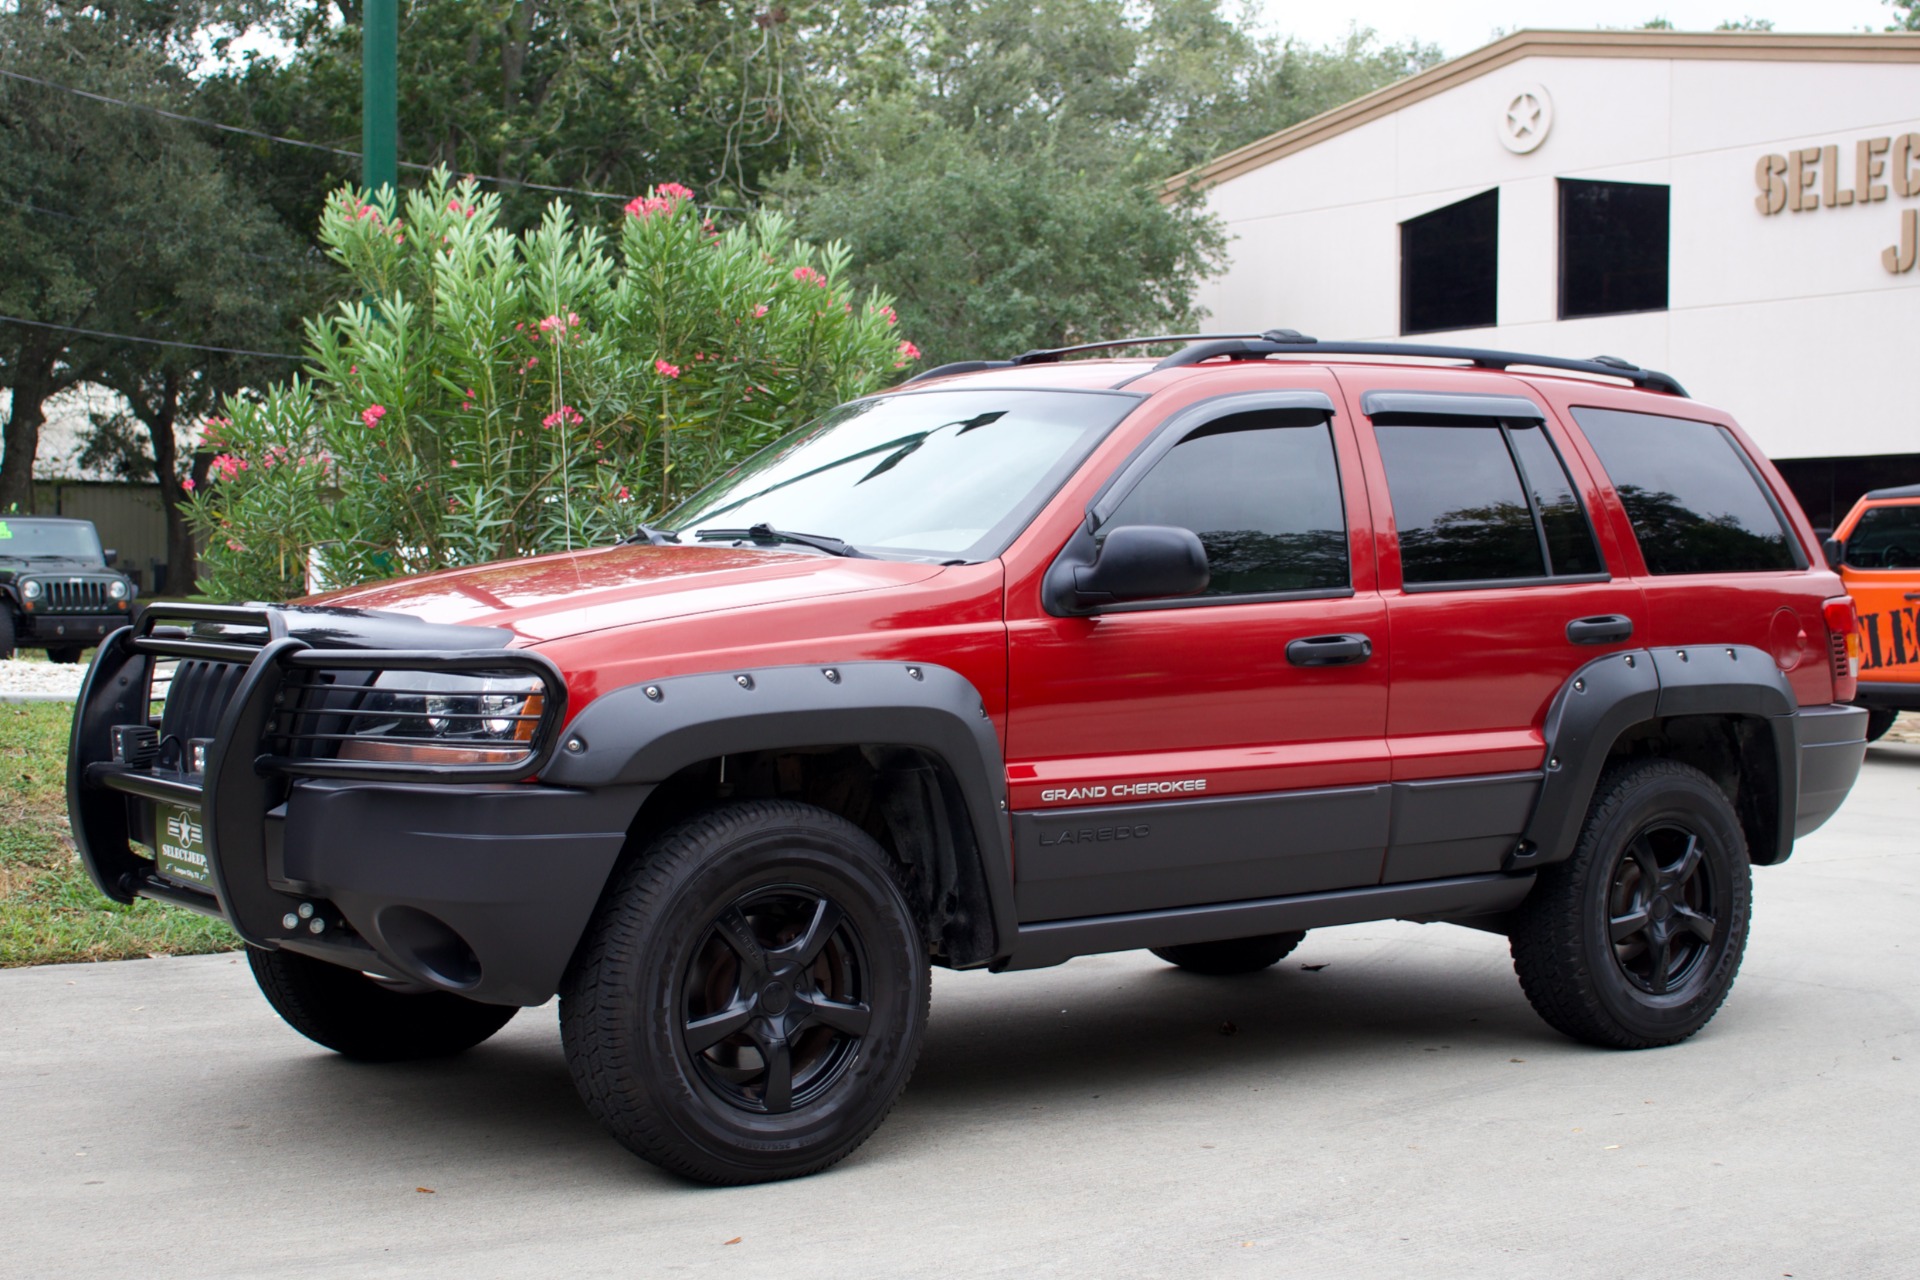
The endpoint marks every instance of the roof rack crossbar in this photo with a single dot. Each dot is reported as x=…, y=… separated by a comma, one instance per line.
x=1239, y=347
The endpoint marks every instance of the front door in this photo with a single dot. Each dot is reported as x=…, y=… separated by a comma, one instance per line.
x=1224, y=746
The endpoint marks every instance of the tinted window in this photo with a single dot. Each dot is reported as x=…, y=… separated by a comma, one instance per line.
x=1885, y=538
x=1458, y=503
x=1448, y=266
x=1613, y=247
x=1694, y=504
x=1570, y=546
x=1263, y=493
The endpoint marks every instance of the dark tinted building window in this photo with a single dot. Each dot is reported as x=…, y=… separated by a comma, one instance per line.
x=1613, y=247
x=1263, y=492
x=1885, y=538
x=1695, y=504
x=1478, y=502
x=1448, y=266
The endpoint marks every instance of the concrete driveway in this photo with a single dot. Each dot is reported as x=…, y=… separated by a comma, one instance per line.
x=1386, y=1104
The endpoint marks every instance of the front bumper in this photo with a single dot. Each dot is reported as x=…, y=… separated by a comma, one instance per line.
x=477, y=887
x=69, y=628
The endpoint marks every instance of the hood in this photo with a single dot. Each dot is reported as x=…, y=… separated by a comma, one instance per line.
x=569, y=593
x=69, y=566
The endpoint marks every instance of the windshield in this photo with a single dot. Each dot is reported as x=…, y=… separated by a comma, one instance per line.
x=932, y=474
x=20, y=538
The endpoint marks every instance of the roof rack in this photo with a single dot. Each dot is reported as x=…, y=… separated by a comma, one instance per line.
x=1256, y=346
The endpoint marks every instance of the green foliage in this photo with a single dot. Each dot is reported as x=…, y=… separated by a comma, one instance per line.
x=1906, y=15
x=1005, y=183
x=500, y=395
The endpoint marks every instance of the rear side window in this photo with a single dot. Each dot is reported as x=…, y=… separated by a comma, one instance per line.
x=1478, y=501
x=1263, y=492
x=1694, y=500
x=1885, y=538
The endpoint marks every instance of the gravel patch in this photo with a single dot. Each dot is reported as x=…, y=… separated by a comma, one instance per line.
x=23, y=681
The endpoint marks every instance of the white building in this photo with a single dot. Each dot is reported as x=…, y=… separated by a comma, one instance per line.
x=1736, y=209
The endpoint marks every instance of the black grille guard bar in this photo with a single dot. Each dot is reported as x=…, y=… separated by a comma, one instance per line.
x=241, y=784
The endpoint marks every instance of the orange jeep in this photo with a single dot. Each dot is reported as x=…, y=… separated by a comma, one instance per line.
x=1877, y=551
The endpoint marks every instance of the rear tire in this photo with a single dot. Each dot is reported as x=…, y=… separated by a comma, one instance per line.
x=1879, y=720
x=1232, y=955
x=1634, y=941
x=750, y=997
x=65, y=653
x=365, y=1019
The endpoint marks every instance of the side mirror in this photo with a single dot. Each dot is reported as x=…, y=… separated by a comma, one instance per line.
x=1836, y=551
x=110, y=556
x=1143, y=562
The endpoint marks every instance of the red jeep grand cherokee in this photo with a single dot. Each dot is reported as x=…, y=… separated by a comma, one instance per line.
x=1023, y=660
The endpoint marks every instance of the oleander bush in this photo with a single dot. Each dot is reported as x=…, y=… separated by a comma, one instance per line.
x=490, y=395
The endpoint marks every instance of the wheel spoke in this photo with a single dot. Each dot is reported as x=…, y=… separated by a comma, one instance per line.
x=1641, y=851
x=778, y=1094
x=737, y=932
x=848, y=1019
x=1689, y=862
x=1620, y=928
x=806, y=948
x=1659, y=958
x=703, y=1033
x=1702, y=925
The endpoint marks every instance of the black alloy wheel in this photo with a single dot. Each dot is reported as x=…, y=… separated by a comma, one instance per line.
x=1634, y=940
x=772, y=1007
x=750, y=997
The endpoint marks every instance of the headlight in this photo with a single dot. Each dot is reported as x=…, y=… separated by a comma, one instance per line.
x=437, y=717
x=30, y=589
x=117, y=589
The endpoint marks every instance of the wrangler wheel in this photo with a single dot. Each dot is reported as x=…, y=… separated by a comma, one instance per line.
x=1634, y=941
x=750, y=997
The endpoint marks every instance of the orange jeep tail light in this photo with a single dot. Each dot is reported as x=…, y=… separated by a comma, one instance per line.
x=1843, y=638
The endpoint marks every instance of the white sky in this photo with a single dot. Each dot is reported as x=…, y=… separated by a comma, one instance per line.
x=1461, y=26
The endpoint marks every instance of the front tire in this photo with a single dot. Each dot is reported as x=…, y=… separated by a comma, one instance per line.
x=1879, y=720
x=7, y=631
x=750, y=998
x=367, y=1019
x=1634, y=941
x=65, y=653
x=1232, y=955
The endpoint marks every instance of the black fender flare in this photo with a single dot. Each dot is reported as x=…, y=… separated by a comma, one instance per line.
x=644, y=733
x=1610, y=695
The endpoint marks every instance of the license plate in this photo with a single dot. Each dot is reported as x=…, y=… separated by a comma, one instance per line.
x=179, y=841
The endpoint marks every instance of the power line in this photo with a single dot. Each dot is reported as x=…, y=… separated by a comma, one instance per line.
x=152, y=342
x=294, y=142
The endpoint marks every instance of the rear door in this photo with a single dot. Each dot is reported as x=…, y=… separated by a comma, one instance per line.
x=1496, y=592
x=1224, y=746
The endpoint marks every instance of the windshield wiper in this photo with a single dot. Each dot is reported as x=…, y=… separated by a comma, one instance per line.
x=653, y=537
x=767, y=533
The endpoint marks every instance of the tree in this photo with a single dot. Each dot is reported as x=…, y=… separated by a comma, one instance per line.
x=1906, y=15
x=498, y=395
x=121, y=221
x=1005, y=185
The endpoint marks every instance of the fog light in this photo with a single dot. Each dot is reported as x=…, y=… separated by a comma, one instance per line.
x=137, y=746
x=198, y=749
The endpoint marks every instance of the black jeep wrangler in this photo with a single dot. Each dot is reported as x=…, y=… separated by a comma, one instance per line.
x=58, y=588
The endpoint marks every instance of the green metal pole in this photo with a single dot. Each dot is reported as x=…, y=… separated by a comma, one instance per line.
x=379, y=92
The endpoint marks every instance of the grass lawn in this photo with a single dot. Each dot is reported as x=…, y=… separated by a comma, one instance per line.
x=50, y=913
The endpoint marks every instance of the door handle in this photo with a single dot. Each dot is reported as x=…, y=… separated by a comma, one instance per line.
x=1607, y=628
x=1329, y=651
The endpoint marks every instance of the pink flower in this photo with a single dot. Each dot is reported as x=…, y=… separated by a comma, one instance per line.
x=234, y=544
x=908, y=351
x=531, y=362
x=673, y=191
x=187, y=484
x=565, y=416
x=807, y=275
x=572, y=320
x=623, y=495
x=372, y=414
x=225, y=467
x=892, y=319
x=666, y=370
x=456, y=463
x=759, y=311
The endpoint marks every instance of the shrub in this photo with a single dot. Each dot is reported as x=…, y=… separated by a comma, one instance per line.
x=498, y=395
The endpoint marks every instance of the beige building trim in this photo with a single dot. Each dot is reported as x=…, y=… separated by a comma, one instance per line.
x=1743, y=46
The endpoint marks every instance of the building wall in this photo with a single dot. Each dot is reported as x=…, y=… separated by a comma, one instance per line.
x=1789, y=321
x=128, y=517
